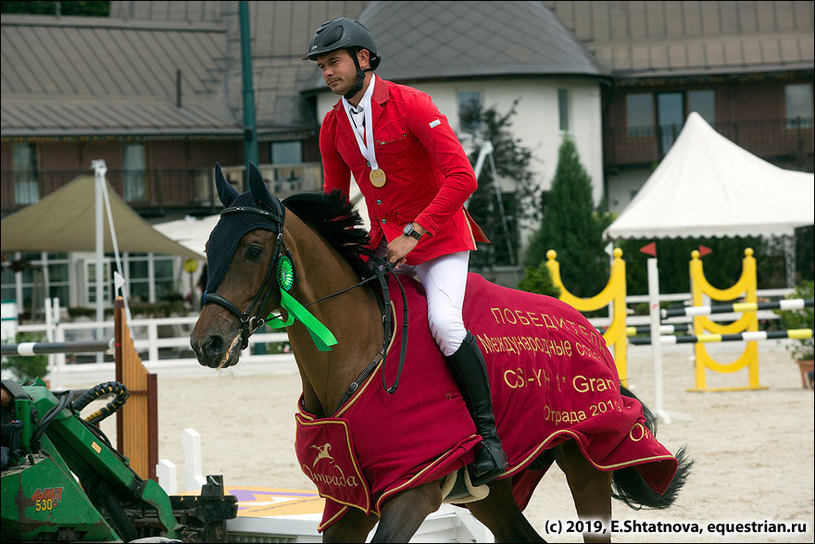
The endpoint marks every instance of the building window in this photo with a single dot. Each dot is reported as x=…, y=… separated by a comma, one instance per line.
x=671, y=109
x=469, y=111
x=26, y=184
x=639, y=115
x=58, y=278
x=703, y=103
x=671, y=117
x=798, y=99
x=290, y=152
x=146, y=271
x=164, y=278
x=288, y=160
x=9, y=291
x=32, y=285
x=43, y=275
x=138, y=282
x=135, y=186
x=563, y=108
x=107, y=280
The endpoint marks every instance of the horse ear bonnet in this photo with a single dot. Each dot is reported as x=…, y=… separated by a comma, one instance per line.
x=233, y=226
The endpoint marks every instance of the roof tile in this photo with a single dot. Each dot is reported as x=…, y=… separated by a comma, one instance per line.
x=735, y=36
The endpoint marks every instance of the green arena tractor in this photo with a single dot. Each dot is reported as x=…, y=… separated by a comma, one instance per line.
x=62, y=480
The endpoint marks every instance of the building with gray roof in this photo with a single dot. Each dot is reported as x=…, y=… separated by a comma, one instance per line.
x=429, y=41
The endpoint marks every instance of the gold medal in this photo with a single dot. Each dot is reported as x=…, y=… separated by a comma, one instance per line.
x=377, y=177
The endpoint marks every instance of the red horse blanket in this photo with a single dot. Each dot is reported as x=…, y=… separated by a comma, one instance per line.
x=552, y=379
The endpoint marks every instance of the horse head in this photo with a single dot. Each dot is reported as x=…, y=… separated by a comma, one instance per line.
x=242, y=288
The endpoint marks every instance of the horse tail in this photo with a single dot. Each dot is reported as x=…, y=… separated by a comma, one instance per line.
x=629, y=487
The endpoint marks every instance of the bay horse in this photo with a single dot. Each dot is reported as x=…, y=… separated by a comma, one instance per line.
x=307, y=251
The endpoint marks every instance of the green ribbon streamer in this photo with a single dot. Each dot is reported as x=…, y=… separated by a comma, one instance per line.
x=322, y=337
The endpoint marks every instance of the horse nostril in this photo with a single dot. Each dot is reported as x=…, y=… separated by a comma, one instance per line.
x=213, y=347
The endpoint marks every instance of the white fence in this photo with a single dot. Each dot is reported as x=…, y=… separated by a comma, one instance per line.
x=164, y=343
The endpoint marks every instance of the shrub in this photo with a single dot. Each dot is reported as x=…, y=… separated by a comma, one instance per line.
x=539, y=280
x=804, y=349
x=27, y=366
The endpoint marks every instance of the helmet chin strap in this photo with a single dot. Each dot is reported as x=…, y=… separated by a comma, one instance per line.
x=360, y=79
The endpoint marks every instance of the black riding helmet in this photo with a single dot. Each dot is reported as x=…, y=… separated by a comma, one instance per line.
x=344, y=33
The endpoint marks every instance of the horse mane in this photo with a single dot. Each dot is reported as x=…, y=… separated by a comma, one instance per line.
x=336, y=220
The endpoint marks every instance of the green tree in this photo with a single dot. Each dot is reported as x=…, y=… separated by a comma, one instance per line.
x=538, y=279
x=502, y=219
x=572, y=227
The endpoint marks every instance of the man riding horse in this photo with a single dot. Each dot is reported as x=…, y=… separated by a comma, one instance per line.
x=556, y=394
x=415, y=176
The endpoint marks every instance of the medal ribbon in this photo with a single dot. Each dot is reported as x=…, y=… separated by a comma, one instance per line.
x=366, y=150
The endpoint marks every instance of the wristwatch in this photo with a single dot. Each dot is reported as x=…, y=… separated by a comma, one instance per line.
x=410, y=231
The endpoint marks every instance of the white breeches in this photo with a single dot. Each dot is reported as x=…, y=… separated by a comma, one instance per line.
x=444, y=280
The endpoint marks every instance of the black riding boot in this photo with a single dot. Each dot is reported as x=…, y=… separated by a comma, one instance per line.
x=470, y=372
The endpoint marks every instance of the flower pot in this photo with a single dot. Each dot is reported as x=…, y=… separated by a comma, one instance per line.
x=805, y=366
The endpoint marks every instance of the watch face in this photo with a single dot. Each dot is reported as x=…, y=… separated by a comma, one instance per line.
x=410, y=231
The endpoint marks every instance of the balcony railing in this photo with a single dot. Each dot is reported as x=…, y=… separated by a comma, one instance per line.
x=158, y=191
x=767, y=139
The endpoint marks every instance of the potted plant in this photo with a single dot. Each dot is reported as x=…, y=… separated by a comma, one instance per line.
x=27, y=366
x=802, y=350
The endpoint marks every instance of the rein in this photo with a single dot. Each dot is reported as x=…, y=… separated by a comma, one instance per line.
x=251, y=320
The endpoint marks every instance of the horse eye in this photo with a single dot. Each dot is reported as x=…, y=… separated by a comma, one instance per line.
x=253, y=252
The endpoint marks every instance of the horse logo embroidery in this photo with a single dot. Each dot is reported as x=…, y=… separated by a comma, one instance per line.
x=323, y=453
x=329, y=479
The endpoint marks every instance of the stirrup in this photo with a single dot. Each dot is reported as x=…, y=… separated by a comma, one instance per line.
x=485, y=478
x=497, y=458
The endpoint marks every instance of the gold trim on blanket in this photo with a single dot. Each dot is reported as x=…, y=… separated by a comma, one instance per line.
x=538, y=450
x=388, y=492
x=321, y=527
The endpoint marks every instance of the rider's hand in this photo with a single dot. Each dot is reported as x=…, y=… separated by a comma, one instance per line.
x=398, y=249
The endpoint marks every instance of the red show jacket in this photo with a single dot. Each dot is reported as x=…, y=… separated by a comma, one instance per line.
x=429, y=177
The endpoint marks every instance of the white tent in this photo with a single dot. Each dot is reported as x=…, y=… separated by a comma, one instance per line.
x=65, y=221
x=71, y=219
x=190, y=232
x=708, y=186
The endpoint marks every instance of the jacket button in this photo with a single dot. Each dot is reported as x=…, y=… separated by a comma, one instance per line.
x=384, y=221
x=379, y=202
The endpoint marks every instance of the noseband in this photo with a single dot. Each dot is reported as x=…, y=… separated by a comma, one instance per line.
x=252, y=319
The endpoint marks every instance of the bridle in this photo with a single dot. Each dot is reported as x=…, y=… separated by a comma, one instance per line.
x=252, y=319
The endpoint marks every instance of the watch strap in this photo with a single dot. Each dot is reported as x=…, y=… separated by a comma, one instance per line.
x=410, y=231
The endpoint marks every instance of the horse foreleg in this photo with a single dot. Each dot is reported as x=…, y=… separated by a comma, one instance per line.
x=404, y=513
x=354, y=526
x=590, y=487
x=499, y=512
